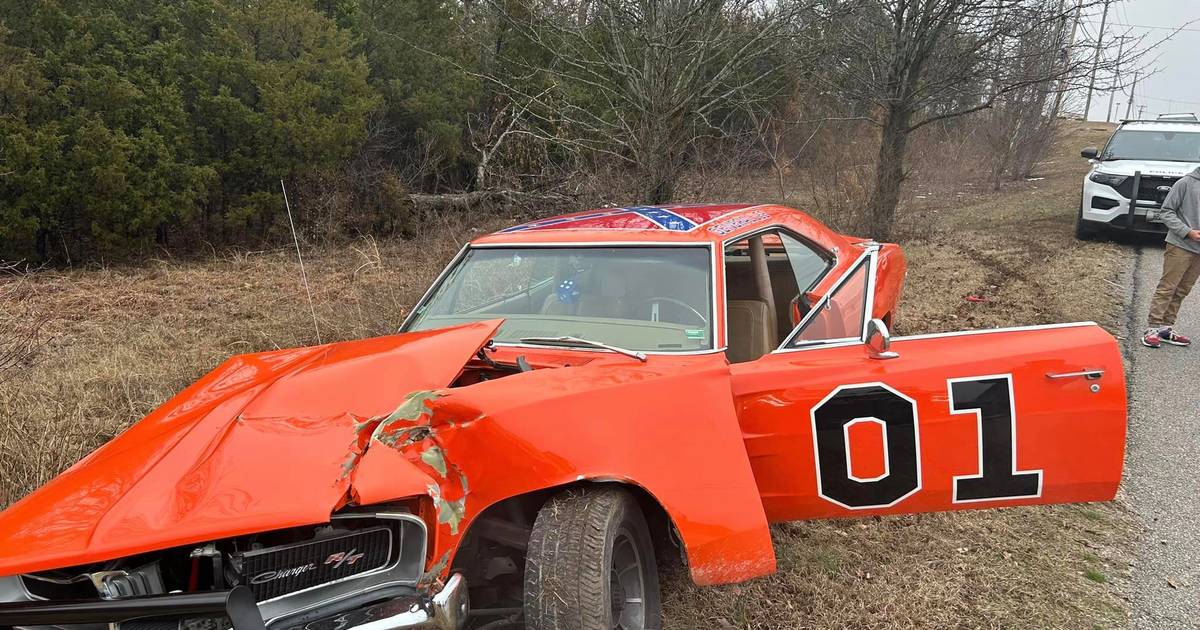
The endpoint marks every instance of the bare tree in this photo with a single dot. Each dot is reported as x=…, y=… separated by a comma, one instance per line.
x=917, y=62
x=1020, y=126
x=489, y=130
x=641, y=80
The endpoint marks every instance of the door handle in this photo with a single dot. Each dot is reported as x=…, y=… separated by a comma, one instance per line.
x=1090, y=375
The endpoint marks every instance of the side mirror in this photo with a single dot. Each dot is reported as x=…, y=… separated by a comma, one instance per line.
x=1090, y=153
x=879, y=340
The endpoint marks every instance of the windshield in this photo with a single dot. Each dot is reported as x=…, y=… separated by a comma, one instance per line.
x=654, y=299
x=1171, y=146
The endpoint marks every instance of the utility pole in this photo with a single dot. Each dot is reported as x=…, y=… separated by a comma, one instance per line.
x=1112, y=90
x=1066, y=58
x=1141, y=110
x=1096, y=59
x=1132, y=90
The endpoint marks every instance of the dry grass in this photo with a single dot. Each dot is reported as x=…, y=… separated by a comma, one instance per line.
x=126, y=338
x=1013, y=568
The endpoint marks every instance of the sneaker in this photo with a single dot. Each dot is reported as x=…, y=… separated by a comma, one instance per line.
x=1167, y=335
x=1151, y=339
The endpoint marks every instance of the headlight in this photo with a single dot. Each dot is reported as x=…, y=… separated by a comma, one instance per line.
x=1107, y=179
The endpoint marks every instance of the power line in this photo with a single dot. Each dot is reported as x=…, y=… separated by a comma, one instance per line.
x=1170, y=100
x=1162, y=28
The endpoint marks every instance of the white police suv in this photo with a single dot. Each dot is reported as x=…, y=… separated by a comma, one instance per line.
x=1133, y=173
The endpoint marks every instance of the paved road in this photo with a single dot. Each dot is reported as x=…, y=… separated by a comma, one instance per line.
x=1163, y=479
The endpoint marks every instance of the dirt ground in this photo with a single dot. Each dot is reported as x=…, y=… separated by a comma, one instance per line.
x=123, y=339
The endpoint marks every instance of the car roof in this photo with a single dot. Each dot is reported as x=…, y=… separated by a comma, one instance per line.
x=682, y=223
x=1161, y=125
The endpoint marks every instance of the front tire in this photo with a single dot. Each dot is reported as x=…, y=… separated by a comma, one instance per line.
x=1085, y=230
x=590, y=565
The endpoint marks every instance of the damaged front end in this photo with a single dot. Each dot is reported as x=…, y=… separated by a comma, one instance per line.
x=364, y=567
x=238, y=503
x=362, y=484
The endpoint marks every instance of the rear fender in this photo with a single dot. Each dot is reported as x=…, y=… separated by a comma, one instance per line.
x=667, y=426
x=889, y=280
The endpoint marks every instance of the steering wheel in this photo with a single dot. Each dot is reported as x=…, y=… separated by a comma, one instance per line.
x=679, y=303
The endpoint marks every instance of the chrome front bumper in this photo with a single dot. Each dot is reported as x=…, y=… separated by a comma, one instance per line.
x=445, y=610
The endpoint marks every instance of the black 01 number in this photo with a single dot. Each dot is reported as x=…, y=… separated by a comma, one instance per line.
x=990, y=398
x=876, y=402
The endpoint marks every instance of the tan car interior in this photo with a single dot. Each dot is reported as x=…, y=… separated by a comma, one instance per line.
x=760, y=288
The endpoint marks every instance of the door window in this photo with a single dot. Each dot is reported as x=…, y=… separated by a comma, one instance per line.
x=766, y=275
x=840, y=316
x=808, y=264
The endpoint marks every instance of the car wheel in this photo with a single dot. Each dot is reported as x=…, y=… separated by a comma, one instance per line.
x=590, y=565
x=1084, y=230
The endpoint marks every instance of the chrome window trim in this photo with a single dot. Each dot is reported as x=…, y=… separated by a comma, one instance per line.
x=435, y=284
x=712, y=279
x=942, y=335
x=829, y=255
x=869, y=258
x=832, y=257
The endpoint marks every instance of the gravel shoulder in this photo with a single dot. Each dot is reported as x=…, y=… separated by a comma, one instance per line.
x=1162, y=483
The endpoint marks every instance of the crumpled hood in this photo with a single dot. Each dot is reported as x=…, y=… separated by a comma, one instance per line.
x=265, y=441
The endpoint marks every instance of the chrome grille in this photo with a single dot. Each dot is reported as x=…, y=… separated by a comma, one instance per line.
x=278, y=571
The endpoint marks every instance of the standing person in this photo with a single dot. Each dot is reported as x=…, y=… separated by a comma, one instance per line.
x=1180, y=212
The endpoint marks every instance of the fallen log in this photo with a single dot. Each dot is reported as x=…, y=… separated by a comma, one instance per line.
x=477, y=199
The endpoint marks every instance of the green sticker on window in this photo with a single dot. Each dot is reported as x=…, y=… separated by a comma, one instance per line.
x=694, y=333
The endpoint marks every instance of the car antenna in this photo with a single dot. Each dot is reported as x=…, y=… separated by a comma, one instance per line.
x=303, y=275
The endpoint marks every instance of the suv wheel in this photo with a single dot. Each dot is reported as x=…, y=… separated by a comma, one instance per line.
x=590, y=565
x=1084, y=230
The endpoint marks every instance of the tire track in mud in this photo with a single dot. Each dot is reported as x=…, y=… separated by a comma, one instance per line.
x=1004, y=277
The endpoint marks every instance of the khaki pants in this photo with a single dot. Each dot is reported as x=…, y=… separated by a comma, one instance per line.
x=1180, y=270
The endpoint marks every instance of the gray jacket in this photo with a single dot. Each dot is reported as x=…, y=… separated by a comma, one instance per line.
x=1180, y=212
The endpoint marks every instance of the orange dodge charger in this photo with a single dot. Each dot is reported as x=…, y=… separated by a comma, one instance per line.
x=573, y=399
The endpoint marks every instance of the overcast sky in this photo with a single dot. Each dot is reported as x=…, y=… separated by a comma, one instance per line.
x=1175, y=86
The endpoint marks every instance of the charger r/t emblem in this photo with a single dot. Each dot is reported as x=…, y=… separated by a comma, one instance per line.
x=347, y=558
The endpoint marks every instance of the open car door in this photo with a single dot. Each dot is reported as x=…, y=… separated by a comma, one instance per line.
x=843, y=421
